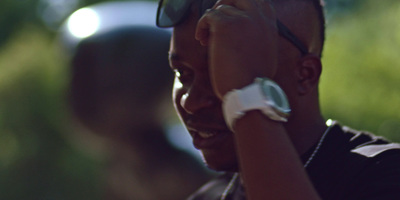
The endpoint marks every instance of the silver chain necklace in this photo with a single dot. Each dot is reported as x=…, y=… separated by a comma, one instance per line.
x=236, y=175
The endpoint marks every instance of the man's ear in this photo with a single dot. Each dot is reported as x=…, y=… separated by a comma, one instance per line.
x=308, y=71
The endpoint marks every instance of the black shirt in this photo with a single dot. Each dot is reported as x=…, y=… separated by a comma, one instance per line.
x=349, y=164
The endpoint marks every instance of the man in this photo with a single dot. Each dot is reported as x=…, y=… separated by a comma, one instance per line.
x=234, y=63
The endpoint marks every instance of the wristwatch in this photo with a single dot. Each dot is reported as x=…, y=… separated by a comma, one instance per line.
x=263, y=94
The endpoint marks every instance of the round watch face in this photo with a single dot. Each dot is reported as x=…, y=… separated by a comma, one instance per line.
x=276, y=95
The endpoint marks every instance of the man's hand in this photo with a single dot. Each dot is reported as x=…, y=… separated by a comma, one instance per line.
x=242, y=39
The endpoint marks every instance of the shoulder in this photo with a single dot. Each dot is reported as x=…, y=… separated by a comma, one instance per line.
x=366, y=151
x=357, y=165
x=378, y=177
x=362, y=143
x=369, y=149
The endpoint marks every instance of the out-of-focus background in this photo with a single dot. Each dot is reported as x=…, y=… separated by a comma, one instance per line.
x=42, y=156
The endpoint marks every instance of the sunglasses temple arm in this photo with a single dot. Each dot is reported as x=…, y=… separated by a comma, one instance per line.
x=285, y=32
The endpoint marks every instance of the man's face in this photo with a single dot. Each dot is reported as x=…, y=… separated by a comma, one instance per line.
x=198, y=107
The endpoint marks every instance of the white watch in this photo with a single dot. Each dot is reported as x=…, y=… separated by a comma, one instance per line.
x=263, y=94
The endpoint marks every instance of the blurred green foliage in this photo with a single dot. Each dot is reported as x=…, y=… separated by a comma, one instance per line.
x=360, y=86
x=36, y=159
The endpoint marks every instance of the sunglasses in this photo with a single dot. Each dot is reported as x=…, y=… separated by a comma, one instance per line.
x=172, y=12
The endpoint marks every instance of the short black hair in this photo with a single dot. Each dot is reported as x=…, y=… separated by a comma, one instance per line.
x=320, y=11
x=319, y=7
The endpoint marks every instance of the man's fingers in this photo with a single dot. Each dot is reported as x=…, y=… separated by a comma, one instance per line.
x=256, y=9
x=266, y=6
x=247, y=5
x=203, y=29
x=229, y=10
x=219, y=14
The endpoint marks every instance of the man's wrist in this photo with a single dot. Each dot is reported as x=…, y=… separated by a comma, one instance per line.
x=263, y=94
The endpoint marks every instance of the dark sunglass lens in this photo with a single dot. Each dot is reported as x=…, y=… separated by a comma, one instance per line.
x=171, y=12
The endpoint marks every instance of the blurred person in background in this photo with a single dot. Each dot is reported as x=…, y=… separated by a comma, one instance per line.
x=119, y=89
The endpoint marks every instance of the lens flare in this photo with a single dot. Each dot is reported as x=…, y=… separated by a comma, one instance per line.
x=83, y=23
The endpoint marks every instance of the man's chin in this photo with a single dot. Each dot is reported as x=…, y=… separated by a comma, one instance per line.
x=220, y=164
x=223, y=168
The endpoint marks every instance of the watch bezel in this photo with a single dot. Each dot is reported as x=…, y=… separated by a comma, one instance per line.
x=281, y=105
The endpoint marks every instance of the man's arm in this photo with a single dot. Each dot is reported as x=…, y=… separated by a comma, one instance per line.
x=242, y=40
x=270, y=166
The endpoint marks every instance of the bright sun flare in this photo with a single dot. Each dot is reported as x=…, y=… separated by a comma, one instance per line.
x=83, y=23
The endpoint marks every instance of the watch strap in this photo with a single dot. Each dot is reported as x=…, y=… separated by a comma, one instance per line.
x=237, y=102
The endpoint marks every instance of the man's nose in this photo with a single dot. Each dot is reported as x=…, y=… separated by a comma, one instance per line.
x=197, y=98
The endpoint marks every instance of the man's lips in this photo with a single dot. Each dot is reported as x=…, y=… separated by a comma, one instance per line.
x=206, y=135
x=208, y=138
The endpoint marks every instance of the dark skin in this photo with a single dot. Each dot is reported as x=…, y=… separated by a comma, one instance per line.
x=226, y=49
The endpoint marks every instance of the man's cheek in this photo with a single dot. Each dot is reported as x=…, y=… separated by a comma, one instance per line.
x=177, y=94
